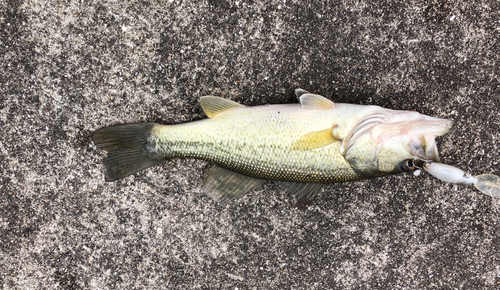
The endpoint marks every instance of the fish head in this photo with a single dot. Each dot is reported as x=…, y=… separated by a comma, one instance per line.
x=388, y=142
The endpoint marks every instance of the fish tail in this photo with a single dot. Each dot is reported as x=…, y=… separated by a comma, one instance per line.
x=130, y=149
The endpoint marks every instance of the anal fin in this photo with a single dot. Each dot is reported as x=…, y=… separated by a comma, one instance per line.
x=224, y=185
x=301, y=189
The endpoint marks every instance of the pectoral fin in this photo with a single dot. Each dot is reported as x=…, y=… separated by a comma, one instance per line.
x=300, y=189
x=224, y=185
x=213, y=105
x=315, y=140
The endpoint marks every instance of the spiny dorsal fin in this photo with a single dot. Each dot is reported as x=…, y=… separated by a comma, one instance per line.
x=300, y=189
x=315, y=140
x=213, y=105
x=299, y=92
x=312, y=101
x=223, y=184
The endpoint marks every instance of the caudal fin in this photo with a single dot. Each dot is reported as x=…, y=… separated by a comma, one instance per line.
x=129, y=149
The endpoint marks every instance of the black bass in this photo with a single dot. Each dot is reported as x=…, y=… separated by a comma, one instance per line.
x=301, y=146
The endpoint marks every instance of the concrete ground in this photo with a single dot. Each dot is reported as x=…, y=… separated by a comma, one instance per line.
x=71, y=67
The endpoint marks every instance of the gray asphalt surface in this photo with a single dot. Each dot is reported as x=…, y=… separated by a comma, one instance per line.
x=71, y=67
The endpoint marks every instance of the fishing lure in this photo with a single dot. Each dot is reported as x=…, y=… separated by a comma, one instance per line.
x=488, y=184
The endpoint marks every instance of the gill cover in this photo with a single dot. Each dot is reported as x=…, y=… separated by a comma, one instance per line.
x=385, y=138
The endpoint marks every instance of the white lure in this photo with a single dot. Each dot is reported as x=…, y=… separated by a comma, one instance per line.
x=488, y=184
x=448, y=173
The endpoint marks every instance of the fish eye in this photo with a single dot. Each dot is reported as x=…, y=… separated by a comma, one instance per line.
x=407, y=165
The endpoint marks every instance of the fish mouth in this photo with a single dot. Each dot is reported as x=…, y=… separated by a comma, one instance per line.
x=419, y=133
x=423, y=145
x=424, y=149
x=419, y=129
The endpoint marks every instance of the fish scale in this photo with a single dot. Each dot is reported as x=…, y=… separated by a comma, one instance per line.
x=257, y=143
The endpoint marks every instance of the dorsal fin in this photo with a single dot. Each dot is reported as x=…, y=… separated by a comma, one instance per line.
x=213, y=105
x=312, y=101
x=299, y=92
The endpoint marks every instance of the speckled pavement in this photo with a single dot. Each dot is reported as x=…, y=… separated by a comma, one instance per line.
x=68, y=68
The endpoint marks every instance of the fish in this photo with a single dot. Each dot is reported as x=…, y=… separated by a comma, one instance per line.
x=300, y=146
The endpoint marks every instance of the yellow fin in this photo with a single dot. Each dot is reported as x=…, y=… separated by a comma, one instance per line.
x=312, y=101
x=213, y=105
x=315, y=140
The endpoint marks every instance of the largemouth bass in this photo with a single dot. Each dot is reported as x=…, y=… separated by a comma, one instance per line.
x=301, y=146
